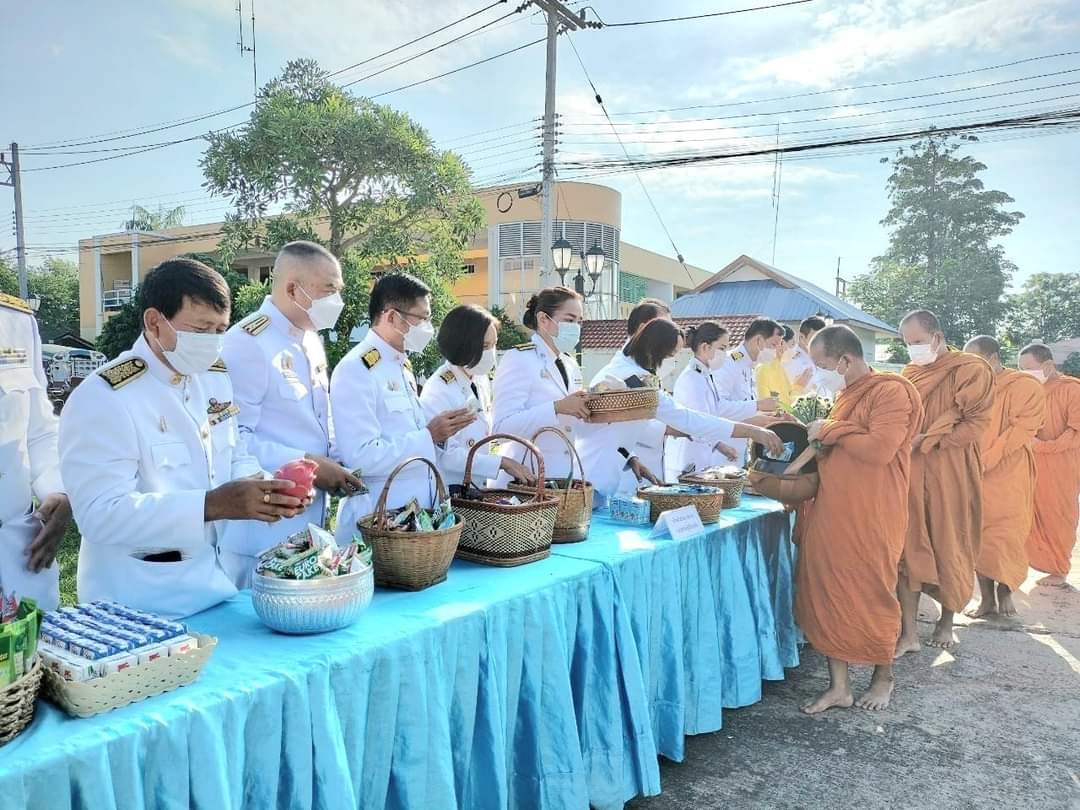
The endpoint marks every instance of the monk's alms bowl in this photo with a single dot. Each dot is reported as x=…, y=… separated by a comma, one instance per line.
x=301, y=606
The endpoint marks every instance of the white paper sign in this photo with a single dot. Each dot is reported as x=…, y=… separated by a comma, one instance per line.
x=681, y=523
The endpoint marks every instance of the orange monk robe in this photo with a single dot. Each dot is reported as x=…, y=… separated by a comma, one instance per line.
x=1057, y=462
x=852, y=535
x=1009, y=477
x=945, y=502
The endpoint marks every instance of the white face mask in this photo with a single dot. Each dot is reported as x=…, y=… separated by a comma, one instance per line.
x=419, y=336
x=788, y=354
x=485, y=364
x=568, y=336
x=667, y=365
x=922, y=354
x=1037, y=373
x=718, y=359
x=195, y=352
x=832, y=380
x=766, y=355
x=323, y=312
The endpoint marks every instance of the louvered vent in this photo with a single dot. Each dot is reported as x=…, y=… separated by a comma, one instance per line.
x=510, y=239
x=530, y=241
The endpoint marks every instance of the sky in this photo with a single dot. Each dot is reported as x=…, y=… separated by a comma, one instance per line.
x=81, y=71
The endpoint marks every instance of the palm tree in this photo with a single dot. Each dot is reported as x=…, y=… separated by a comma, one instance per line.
x=143, y=219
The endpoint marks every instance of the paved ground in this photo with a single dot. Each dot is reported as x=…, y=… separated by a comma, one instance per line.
x=995, y=724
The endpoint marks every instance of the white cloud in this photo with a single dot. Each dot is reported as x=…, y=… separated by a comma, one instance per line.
x=191, y=50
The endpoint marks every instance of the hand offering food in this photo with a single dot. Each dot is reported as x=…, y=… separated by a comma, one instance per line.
x=301, y=472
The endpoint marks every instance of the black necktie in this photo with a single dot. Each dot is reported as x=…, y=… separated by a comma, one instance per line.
x=476, y=393
x=562, y=370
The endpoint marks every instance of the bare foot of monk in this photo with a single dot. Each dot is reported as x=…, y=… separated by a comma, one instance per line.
x=943, y=635
x=907, y=644
x=1055, y=581
x=1005, y=602
x=879, y=694
x=987, y=600
x=830, y=699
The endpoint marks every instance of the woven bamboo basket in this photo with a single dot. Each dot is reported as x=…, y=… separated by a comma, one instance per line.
x=732, y=485
x=628, y=405
x=708, y=504
x=575, y=497
x=499, y=534
x=17, y=703
x=409, y=561
x=100, y=695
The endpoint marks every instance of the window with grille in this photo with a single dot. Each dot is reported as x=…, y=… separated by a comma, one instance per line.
x=632, y=288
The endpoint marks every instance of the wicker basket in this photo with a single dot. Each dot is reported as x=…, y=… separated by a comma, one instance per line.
x=17, y=703
x=100, y=695
x=409, y=561
x=731, y=485
x=708, y=504
x=575, y=498
x=504, y=534
x=791, y=487
x=628, y=405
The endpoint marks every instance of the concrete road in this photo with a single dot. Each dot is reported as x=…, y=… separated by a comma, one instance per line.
x=993, y=724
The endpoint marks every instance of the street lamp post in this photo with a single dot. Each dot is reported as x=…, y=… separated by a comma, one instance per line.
x=34, y=301
x=562, y=255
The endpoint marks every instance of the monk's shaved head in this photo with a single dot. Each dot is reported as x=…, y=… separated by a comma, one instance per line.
x=984, y=346
x=926, y=320
x=835, y=342
x=1040, y=351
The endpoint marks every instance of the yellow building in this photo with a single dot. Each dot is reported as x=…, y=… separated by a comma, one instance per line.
x=502, y=262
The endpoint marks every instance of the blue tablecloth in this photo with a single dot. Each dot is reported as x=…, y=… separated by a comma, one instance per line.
x=711, y=615
x=551, y=685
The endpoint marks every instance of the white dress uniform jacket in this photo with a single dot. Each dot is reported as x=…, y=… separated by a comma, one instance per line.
x=599, y=446
x=140, y=446
x=380, y=423
x=649, y=436
x=697, y=389
x=736, y=388
x=448, y=389
x=282, y=387
x=29, y=466
x=527, y=385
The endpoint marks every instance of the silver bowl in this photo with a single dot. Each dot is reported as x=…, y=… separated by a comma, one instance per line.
x=312, y=605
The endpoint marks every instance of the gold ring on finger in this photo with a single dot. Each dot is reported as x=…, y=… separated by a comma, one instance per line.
x=266, y=497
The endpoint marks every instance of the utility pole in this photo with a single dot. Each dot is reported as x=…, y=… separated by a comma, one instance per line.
x=841, y=284
x=15, y=181
x=559, y=18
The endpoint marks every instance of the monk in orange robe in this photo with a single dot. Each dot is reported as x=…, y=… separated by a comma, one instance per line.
x=1008, y=481
x=1057, y=461
x=945, y=503
x=851, y=537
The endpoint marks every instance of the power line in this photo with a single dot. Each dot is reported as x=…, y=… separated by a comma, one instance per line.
x=656, y=211
x=700, y=16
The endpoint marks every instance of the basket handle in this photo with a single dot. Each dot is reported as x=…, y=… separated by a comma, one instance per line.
x=573, y=453
x=466, y=480
x=380, y=507
x=801, y=460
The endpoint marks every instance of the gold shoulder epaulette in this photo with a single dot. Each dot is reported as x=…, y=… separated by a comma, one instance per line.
x=219, y=365
x=370, y=358
x=447, y=376
x=257, y=325
x=120, y=374
x=524, y=347
x=407, y=364
x=14, y=302
x=737, y=356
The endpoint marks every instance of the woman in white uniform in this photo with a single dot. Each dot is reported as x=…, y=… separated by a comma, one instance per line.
x=696, y=389
x=538, y=384
x=467, y=339
x=643, y=357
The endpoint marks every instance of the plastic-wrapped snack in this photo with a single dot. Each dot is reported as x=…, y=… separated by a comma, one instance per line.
x=629, y=509
x=7, y=656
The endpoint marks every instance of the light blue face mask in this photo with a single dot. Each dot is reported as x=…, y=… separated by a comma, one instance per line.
x=568, y=336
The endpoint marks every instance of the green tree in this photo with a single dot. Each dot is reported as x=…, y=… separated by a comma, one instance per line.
x=122, y=328
x=510, y=333
x=942, y=254
x=1071, y=366
x=9, y=278
x=1047, y=308
x=143, y=219
x=56, y=283
x=364, y=174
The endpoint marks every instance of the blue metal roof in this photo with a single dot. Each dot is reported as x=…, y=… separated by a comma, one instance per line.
x=773, y=300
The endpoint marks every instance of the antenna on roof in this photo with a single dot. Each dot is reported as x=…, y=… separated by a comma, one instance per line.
x=841, y=283
x=240, y=41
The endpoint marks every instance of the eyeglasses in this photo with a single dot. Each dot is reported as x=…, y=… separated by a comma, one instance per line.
x=405, y=314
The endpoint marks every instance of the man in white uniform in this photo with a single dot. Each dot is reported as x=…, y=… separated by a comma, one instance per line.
x=277, y=365
x=152, y=458
x=374, y=399
x=29, y=467
x=799, y=366
x=735, y=379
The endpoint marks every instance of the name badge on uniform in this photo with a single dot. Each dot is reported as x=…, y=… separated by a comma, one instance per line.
x=218, y=412
x=11, y=357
